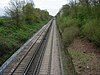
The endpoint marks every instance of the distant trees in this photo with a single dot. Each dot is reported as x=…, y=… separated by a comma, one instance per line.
x=21, y=12
x=28, y=13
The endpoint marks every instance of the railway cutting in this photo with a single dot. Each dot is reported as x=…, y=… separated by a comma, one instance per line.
x=40, y=56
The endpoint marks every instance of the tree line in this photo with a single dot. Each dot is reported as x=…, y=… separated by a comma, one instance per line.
x=21, y=12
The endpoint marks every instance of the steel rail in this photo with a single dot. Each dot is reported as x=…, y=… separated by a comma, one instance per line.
x=40, y=48
x=14, y=69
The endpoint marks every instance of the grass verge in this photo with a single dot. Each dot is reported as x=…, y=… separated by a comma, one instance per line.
x=11, y=38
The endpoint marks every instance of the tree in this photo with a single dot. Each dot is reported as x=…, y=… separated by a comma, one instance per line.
x=15, y=12
x=21, y=12
x=28, y=13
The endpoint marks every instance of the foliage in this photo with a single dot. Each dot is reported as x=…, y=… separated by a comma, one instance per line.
x=21, y=21
x=69, y=34
x=85, y=15
x=11, y=38
x=69, y=28
x=92, y=31
x=14, y=12
x=28, y=13
x=21, y=12
x=2, y=22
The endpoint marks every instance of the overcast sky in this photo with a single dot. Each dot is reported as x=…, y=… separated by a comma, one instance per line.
x=52, y=6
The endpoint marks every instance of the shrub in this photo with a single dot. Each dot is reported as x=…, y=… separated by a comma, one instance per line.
x=69, y=34
x=65, y=22
x=6, y=45
x=92, y=31
x=2, y=22
x=72, y=22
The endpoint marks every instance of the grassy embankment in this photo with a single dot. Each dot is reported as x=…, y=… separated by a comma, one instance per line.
x=68, y=33
x=20, y=22
x=79, y=20
x=11, y=38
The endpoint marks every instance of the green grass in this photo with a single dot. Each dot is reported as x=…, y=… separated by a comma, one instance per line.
x=79, y=55
x=11, y=38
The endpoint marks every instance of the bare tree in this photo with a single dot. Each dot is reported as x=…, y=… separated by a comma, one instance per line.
x=15, y=12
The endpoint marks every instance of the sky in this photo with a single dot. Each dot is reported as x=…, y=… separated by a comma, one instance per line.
x=52, y=6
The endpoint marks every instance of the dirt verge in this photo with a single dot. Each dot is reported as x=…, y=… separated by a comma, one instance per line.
x=85, y=56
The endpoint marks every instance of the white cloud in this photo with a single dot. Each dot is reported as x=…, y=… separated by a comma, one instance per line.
x=52, y=6
x=3, y=4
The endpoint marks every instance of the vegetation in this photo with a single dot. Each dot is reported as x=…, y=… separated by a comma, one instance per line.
x=21, y=21
x=80, y=18
x=83, y=16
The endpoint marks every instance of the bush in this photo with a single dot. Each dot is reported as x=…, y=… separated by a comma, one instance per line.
x=69, y=34
x=65, y=22
x=2, y=22
x=11, y=38
x=6, y=45
x=92, y=30
x=72, y=22
x=61, y=22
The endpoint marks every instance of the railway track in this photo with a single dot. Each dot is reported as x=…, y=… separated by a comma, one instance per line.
x=51, y=64
x=40, y=56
